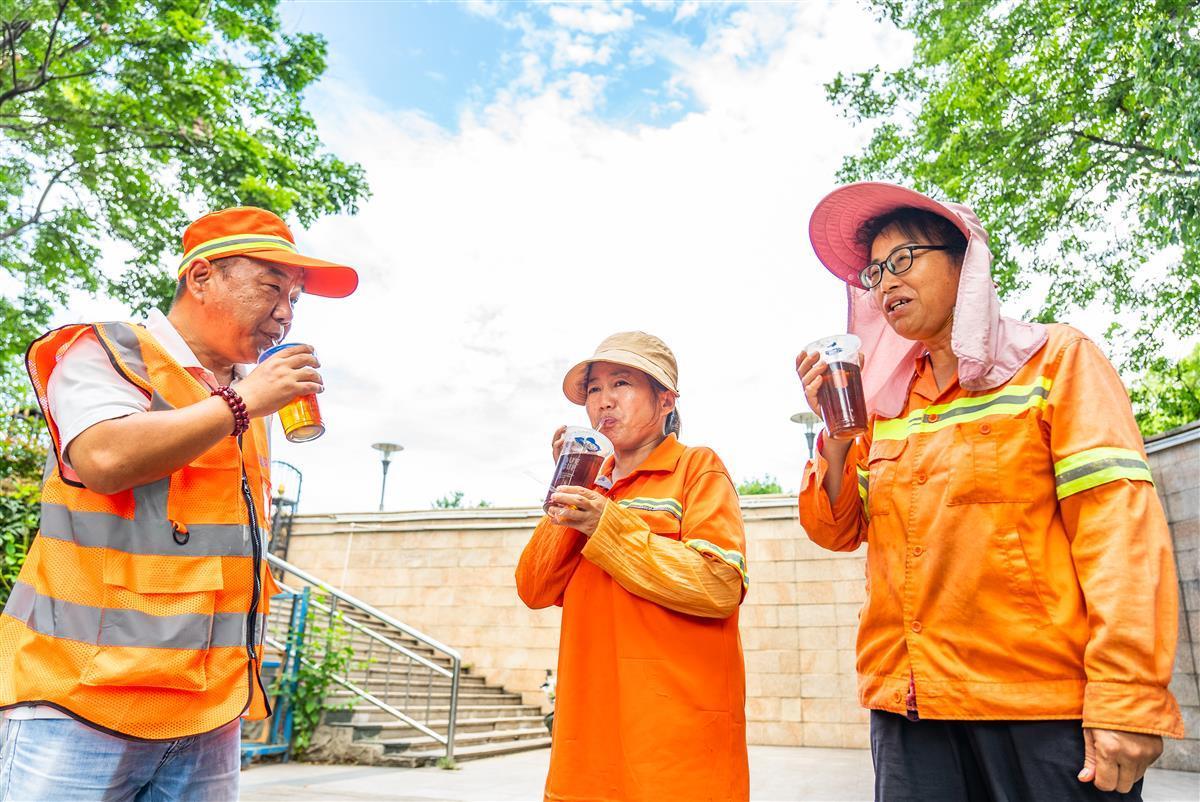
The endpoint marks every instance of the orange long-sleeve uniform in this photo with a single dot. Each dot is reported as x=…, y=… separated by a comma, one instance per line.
x=1019, y=564
x=651, y=684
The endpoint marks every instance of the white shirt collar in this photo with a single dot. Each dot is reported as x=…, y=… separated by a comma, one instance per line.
x=170, y=339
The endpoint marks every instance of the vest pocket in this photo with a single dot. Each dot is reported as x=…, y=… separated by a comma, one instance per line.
x=157, y=622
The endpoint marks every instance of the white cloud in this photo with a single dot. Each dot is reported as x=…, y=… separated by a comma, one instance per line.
x=494, y=258
x=578, y=51
x=488, y=9
x=686, y=10
x=597, y=18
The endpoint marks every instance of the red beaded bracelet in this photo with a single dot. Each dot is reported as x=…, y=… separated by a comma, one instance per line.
x=241, y=418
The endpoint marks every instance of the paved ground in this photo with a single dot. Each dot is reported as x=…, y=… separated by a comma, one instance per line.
x=778, y=774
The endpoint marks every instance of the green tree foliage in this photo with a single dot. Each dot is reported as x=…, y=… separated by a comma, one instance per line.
x=18, y=525
x=759, y=487
x=120, y=119
x=23, y=446
x=1168, y=394
x=451, y=501
x=1072, y=128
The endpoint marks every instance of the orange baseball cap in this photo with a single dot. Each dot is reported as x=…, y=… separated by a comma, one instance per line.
x=250, y=231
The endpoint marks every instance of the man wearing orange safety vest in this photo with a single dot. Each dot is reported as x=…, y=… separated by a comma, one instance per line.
x=131, y=645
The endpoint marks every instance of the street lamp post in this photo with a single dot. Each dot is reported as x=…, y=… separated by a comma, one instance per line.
x=810, y=421
x=387, y=449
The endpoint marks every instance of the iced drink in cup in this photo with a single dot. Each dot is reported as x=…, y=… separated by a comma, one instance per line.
x=301, y=417
x=841, y=392
x=584, y=451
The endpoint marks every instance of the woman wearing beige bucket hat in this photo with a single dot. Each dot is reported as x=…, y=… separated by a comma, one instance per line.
x=650, y=573
x=1019, y=629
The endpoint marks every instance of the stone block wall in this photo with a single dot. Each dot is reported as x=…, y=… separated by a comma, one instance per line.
x=450, y=574
x=1175, y=462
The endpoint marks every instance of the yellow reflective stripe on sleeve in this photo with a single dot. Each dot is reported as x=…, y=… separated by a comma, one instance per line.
x=727, y=556
x=668, y=505
x=215, y=248
x=864, y=477
x=1098, y=466
x=1012, y=399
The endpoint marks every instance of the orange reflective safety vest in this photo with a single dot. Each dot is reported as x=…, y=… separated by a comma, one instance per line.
x=142, y=612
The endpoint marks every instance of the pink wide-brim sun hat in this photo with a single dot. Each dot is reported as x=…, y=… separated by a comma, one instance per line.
x=835, y=223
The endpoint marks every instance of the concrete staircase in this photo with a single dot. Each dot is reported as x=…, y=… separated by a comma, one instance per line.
x=490, y=720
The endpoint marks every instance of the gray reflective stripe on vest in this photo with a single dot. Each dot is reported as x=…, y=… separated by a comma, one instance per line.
x=158, y=403
x=57, y=618
x=128, y=346
x=142, y=535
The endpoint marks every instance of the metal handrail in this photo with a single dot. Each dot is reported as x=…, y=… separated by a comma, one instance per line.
x=391, y=644
x=454, y=672
x=367, y=696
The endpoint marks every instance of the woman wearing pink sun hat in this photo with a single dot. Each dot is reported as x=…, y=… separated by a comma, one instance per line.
x=1019, y=630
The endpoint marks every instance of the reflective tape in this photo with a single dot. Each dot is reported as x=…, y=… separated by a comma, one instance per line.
x=864, y=484
x=668, y=505
x=142, y=535
x=214, y=248
x=1098, y=466
x=123, y=347
x=1009, y=400
x=102, y=626
x=727, y=556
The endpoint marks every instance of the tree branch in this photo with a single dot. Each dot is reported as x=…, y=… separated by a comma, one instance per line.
x=62, y=7
x=37, y=212
x=1138, y=148
x=58, y=174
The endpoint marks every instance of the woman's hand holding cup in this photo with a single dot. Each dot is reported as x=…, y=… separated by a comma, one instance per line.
x=556, y=442
x=810, y=368
x=580, y=508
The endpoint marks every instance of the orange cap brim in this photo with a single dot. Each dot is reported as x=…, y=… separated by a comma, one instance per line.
x=322, y=278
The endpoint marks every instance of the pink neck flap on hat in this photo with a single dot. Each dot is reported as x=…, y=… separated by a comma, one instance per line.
x=990, y=348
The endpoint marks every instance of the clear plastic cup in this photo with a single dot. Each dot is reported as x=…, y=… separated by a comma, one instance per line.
x=301, y=417
x=584, y=452
x=840, y=395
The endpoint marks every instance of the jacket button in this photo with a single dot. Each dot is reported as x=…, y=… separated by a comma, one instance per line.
x=896, y=697
x=916, y=626
x=932, y=417
x=985, y=428
x=922, y=478
x=918, y=551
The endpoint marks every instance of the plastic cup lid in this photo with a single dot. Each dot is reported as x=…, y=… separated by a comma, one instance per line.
x=581, y=439
x=274, y=349
x=838, y=348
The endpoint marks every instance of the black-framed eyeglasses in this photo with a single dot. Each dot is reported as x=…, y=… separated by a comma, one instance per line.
x=897, y=262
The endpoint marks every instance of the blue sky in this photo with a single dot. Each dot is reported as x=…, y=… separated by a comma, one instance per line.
x=441, y=58
x=651, y=163
x=543, y=176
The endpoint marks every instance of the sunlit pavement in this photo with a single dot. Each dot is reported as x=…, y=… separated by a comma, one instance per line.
x=778, y=774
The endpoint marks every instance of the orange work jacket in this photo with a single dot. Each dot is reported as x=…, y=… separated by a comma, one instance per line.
x=650, y=702
x=1019, y=564
x=142, y=612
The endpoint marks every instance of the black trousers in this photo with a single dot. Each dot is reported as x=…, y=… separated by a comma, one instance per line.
x=981, y=761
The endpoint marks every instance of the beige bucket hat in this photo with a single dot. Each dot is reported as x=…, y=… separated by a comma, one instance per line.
x=634, y=349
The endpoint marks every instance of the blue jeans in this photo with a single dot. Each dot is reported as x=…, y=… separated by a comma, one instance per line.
x=55, y=758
